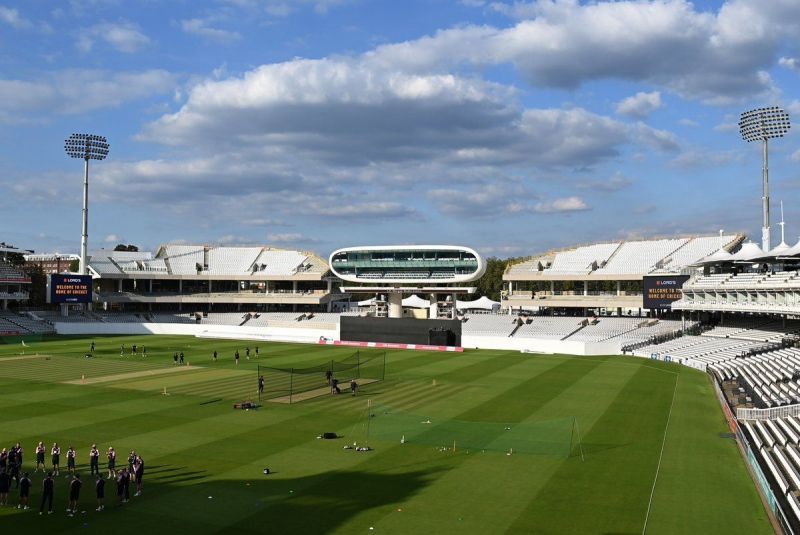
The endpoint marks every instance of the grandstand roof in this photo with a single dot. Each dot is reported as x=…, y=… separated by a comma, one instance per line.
x=204, y=262
x=622, y=260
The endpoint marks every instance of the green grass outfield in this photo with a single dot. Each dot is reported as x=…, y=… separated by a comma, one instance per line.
x=196, y=446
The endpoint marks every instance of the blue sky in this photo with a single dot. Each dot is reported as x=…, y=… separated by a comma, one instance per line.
x=510, y=126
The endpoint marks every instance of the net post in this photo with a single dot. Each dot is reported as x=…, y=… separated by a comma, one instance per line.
x=291, y=379
x=369, y=417
x=580, y=443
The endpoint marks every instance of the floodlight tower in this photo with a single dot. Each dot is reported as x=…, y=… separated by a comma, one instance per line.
x=762, y=124
x=88, y=147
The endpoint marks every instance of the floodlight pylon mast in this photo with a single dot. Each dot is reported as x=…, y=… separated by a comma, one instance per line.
x=85, y=217
x=87, y=147
x=765, y=226
x=760, y=125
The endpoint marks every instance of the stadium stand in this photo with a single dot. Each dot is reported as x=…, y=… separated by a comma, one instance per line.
x=583, y=259
x=636, y=257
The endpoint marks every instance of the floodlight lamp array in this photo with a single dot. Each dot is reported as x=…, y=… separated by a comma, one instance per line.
x=764, y=123
x=86, y=146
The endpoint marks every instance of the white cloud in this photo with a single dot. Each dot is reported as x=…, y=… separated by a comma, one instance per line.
x=795, y=156
x=12, y=17
x=689, y=122
x=790, y=63
x=124, y=37
x=352, y=110
x=201, y=28
x=112, y=238
x=639, y=105
x=566, y=204
x=717, y=57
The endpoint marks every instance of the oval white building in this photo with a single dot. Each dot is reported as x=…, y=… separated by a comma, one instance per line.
x=407, y=264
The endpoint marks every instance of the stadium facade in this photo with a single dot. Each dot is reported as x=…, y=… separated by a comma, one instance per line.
x=14, y=283
x=203, y=278
x=605, y=277
x=391, y=271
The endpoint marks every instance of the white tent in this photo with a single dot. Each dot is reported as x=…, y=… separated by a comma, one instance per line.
x=416, y=302
x=484, y=303
x=747, y=253
x=794, y=250
x=720, y=256
x=411, y=302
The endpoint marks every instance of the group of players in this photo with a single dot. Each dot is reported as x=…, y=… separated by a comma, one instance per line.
x=178, y=356
x=11, y=470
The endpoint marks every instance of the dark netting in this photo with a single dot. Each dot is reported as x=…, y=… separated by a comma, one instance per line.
x=288, y=384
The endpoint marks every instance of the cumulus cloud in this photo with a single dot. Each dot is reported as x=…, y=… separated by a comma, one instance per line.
x=201, y=28
x=790, y=63
x=123, y=36
x=112, y=238
x=351, y=111
x=566, y=204
x=639, y=105
x=795, y=156
x=717, y=57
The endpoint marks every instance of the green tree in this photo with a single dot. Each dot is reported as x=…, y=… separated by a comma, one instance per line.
x=38, y=286
x=491, y=284
x=129, y=248
x=74, y=266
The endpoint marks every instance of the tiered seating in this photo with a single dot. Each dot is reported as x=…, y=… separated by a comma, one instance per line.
x=183, y=259
x=776, y=442
x=231, y=260
x=625, y=330
x=636, y=257
x=581, y=260
x=53, y=316
x=768, y=377
x=488, y=325
x=178, y=317
x=103, y=265
x=648, y=332
x=549, y=327
x=279, y=262
x=23, y=324
x=691, y=252
x=755, y=329
x=9, y=273
x=151, y=265
x=704, y=349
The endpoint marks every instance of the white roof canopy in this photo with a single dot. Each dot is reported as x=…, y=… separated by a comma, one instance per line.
x=747, y=253
x=720, y=256
x=484, y=303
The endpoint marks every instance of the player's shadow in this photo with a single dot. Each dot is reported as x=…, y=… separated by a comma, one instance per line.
x=320, y=503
